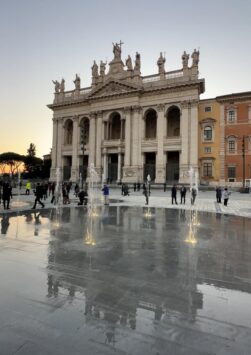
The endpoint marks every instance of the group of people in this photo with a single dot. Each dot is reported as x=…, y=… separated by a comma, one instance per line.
x=183, y=191
x=222, y=194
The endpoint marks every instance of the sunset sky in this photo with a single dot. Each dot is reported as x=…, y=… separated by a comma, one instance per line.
x=45, y=40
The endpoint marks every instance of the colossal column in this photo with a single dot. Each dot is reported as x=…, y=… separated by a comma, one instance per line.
x=92, y=139
x=119, y=165
x=194, y=136
x=160, y=169
x=184, y=155
x=98, y=143
x=59, y=144
x=127, y=111
x=104, y=175
x=75, y=158
x=222, y=146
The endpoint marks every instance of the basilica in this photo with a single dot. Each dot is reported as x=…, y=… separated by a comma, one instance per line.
x=128, y=125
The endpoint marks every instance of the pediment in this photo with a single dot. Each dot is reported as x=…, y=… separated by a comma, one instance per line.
x=113, y=87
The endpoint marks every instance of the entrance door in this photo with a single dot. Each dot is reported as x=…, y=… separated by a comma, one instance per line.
x=150, y=165
x=172, y=167
x=112, y=168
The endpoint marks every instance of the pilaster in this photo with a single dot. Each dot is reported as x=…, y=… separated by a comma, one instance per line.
x=160, y=169
x=99, y=136
x=222, y=144
x=184, y=132
x=92, y=139
x=75, y=158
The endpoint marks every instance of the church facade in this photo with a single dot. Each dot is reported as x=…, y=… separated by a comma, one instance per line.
x=127, y=125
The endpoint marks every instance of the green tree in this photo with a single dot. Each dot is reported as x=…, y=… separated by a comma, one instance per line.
x=11, y=161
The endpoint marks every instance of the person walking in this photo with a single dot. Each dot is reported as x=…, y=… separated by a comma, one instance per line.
x=193, y=194
x=27, y=187
x=218, y=194
x=183, y=192
x=174, y=194
x=226, y=195
x=145, y=193
x=39, y=194
x=6, y=195
x=106, y=194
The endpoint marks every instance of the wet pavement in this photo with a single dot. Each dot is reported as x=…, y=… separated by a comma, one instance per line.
x=125, y=282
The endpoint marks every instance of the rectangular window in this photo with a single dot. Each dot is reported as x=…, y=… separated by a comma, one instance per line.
x=207, y=169
x=231, y=172
x=231, y=146
x=207, y=150
x=208, y=108
x=231, y=116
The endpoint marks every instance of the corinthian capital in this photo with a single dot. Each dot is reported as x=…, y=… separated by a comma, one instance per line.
x=161, y=107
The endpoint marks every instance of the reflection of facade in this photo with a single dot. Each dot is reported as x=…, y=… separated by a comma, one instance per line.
x=137, y=125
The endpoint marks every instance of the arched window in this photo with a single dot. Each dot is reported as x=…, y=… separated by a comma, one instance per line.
x=68, y=132
x=173, y=122
x=114, y=128
x=208, y=133
x=151, y=124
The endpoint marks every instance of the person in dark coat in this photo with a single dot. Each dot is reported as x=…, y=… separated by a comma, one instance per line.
x=174, y=194
x=7, y=193
x=218, y=194
x=39, y=192
x=183, y=192
x=82, y=198
x=145, y=192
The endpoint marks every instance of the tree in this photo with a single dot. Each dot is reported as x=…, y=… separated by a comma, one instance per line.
x=31, y=151
x=11, y=161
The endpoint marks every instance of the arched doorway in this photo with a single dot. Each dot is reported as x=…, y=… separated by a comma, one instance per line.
x=114, y=126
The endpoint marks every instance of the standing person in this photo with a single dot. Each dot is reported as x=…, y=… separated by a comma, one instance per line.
x=39, y=194
x=193, y=194
x=183, y=192
x=145, y=192
x=226, y=195
x=138, y=186
x=1, y=192
x=134, y=187
x=106, y=194
x=76, y=190
x=174, y=194
x=218, y=194
x=164, y=186
x=27, y=187
x=122, y=189
x=6, y=195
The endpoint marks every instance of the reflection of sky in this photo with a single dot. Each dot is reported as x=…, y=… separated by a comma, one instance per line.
x=225, y=305
x=45, y=40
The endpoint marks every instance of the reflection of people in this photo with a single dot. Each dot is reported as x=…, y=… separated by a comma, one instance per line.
x=5, y=224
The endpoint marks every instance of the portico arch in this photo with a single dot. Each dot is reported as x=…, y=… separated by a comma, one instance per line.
x=68, y=132
x=85, y=129
x=150, y=124
x=173, y=122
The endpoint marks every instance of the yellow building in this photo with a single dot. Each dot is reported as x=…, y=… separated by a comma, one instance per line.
x=209, y=141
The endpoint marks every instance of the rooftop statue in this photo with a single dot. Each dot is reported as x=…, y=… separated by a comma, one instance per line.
x=185, y=58
x=62, y=86
x=57, y=86
x=196, y=58
x=117, y=50
x=161, y=64
x=94, y=70
x=137, y=62
x=129, y=63
x=77, y=82
x=102, y=68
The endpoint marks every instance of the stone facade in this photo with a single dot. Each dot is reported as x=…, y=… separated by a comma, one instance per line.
x=129, y=125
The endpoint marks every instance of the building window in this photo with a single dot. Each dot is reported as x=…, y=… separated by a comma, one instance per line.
x=207, y=169
x=231, y=146
x=208, y=133
x=231, y=172
x=207, y=150
x=208, y=108
x=231, y=116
